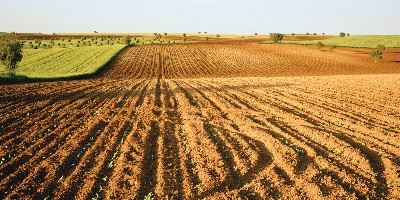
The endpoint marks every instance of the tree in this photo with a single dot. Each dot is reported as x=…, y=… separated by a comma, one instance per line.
x=256, y=34
x=276, y=37
x=165, y=34
x=184, y=35
x=127, y=40
x=293, y=34
x=348, y=34
x=307, y=33
x=323, y=33
x=218, y=35
x=342, y=34
x=10, y=52
x=314, y=33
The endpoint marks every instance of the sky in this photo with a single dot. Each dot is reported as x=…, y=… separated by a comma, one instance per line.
x=191, y=16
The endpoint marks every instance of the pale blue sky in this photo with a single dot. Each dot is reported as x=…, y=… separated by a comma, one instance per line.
x=213, y=16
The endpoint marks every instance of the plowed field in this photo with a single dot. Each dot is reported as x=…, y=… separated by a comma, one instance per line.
x=152, y=125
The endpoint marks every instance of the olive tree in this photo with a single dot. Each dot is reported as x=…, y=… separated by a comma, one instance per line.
x=127, y=40
x=10, y=52
x=276, y=37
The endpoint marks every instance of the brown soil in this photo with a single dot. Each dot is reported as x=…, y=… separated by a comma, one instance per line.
x=244, y=59
x=153, y=124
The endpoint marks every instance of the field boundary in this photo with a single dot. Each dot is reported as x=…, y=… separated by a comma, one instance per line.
x=315, y=44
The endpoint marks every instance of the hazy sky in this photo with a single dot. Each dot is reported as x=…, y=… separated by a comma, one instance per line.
x=213, y=16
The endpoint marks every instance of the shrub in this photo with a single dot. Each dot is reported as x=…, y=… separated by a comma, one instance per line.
x=307, y=33
x=293, y=34
x=332, y=47
x=218, y=35
x=320, y=45
x=377, y=54
x=35, y=47
x=314, y=33
x=381, y=47
x=342, y=34
x=255, y=33
x=348, y=34
x=276, y=37
x=323, y=33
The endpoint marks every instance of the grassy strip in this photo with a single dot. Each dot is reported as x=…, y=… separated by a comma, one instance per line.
x=97, y=72
x=391, y=41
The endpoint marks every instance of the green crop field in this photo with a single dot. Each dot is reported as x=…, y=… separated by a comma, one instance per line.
x=358, y=41
x=63, y=62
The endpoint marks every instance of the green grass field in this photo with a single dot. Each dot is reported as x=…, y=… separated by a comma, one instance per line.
x=63, y=62
x=357, y=41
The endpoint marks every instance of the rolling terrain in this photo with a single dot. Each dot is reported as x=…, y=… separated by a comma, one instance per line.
x=221, y=120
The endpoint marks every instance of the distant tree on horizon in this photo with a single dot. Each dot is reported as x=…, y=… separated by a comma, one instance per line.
x=276, y=37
